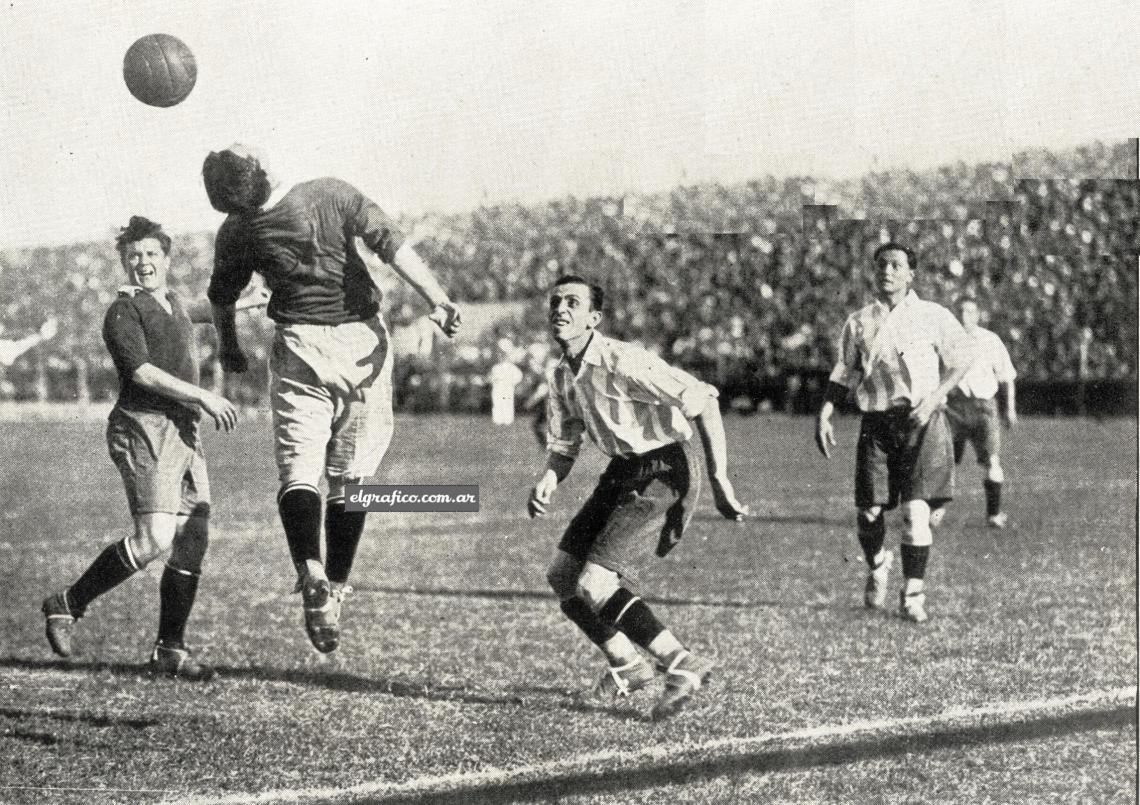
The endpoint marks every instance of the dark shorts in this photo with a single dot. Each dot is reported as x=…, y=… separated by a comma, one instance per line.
x=640, y=507
x=162, y=465
x=975, y=422
x=897, y=462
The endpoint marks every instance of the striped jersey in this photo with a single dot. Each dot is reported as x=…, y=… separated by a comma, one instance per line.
x=629, y=400
x=991, y=368
x=895, y=357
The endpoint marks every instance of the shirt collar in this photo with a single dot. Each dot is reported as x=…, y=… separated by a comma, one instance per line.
x=592, y=354
x=908, y=300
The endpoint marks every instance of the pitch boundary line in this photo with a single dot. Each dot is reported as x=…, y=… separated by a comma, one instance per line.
x=634, y=760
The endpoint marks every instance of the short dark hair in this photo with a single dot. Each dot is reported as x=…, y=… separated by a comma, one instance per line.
x=234, y=183
x=138, y=229
x=892, y=246
x=597, y=295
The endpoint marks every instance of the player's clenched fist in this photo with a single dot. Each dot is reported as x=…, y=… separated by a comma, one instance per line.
x=446, y=316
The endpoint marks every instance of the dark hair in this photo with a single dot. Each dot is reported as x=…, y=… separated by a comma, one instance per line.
x=235, y=184
x=597, y=295
x=891, y=246
x=140, y=229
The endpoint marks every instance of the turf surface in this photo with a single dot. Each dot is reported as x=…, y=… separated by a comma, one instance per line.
x=455, y=659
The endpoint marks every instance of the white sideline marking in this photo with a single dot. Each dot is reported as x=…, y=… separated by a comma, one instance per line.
x=455, y=783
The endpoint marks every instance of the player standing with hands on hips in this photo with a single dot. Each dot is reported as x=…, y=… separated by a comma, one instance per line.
x=640, y=412
x=152, y=435
x=900, y=356
x=332, y=367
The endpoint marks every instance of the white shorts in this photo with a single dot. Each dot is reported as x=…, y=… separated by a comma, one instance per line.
x=332, y=403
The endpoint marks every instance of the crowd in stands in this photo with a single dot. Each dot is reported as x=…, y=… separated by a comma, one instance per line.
x=746, y=286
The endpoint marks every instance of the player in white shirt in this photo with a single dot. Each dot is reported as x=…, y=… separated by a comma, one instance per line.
x=972, y=409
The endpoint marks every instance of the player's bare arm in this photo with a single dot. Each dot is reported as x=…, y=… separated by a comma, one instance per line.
x=445, y=313
x=824, y=433
x=1010, y=404
x=557, y=467
x=230, y=353
x=202, y=312
x=219, y=408
x=711, y=428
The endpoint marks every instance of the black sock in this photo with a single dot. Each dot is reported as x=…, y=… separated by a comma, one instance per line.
x=871, y=536
x=587, y=620
x=914, y=560
x=300, y=510
x=176, y=593
x=632, y=616
x=993, y=497
x=110, y=569
x=342, y=535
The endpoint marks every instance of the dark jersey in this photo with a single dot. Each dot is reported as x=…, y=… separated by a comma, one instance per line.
x=302, y=246
x=138, y=330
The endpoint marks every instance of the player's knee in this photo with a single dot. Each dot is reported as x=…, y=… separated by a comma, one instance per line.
x=871, y=514
x=994, y=471
x=596, y=585
x=562, y=576
x=190, y=544
x=154, y=534
x=916, y=523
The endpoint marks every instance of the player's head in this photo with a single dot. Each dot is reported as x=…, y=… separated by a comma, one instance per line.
x=144, y=250
x=895, y=265
x=968, y=312
x=575, y=307
x=236, y=180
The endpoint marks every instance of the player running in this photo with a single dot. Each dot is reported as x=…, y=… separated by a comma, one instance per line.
x=640, y=412
x=152, y=435
x=972, y=409
x=900, y=356
x=331, y=364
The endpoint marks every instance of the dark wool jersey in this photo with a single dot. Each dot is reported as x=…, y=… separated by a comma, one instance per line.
x=302, y=246
x=137, y=330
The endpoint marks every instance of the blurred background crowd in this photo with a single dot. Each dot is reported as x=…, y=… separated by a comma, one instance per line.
x=746, y=286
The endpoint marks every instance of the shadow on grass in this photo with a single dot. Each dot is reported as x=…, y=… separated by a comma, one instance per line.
x=539, y=595
x=330, y=679
x=610, y=783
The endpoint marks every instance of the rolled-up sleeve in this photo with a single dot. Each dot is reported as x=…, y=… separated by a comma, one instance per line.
x=374, y=226
x=848, y=369
x=564, y=429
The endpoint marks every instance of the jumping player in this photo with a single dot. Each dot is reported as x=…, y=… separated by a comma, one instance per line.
x=972, y=408
x=331, y=364
x=640, y=412
x=900, y=356
x=152, y=435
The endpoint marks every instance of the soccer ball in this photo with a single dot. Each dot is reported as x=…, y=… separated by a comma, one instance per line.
x=160, y=70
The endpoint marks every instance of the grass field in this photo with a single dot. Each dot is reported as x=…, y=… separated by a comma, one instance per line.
x=456, y=675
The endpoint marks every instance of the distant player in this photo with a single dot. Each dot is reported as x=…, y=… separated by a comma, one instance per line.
x=11, y=350
x=640, y=412
x=972, y=408
x=331, y=362
x=504, y=378
x=900, y=356
x=152, y=435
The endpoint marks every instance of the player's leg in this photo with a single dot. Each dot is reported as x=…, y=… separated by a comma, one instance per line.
x=915, y=551
x=926, y=480
x=658, y=485
x=626, y=671
x=137, y=443
x=178, y=586
x=873, y=492
x=988, y=450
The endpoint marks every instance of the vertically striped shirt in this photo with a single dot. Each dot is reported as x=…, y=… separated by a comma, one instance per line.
x=894, y=357
x=628, y=400
x=991, y=368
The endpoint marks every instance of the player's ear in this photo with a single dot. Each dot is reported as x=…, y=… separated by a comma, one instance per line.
x=595, y=318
